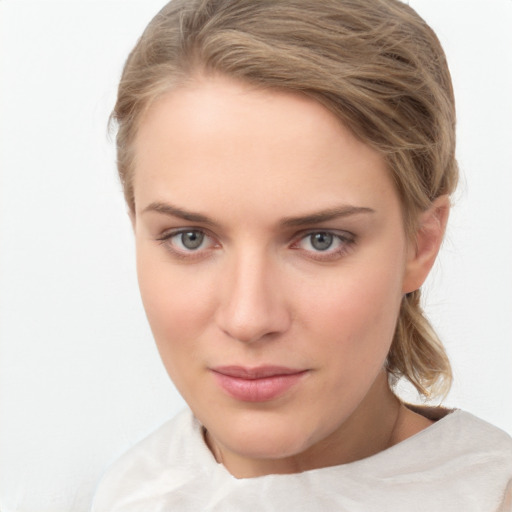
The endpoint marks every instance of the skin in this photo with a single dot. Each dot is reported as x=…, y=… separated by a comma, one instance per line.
x=246, y=166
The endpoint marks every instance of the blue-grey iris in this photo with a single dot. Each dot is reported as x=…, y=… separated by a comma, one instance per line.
x=321, y=241
x=192, y=239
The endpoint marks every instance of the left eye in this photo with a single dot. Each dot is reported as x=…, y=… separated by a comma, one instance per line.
x=322, y=241
x=189, y=240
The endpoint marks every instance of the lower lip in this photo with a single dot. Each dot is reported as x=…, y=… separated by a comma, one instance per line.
x=257, y=390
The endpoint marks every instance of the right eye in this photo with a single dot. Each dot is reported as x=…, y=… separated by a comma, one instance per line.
x=187, y=242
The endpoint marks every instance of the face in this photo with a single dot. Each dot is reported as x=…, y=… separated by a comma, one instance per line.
x=272, y=261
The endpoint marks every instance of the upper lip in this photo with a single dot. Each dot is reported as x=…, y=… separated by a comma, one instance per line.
x=259, y=372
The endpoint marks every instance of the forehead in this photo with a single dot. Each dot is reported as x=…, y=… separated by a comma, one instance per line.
x=218, y=142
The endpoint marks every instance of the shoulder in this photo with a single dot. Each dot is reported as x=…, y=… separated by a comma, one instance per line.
x=470, y=433
x=478, y=456
x=460, y=462
x=172, y=454
x=459, y=438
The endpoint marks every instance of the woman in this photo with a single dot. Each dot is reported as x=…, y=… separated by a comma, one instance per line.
x=287, y=167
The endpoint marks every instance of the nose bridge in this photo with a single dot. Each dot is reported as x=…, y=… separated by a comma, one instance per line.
x=252, y=303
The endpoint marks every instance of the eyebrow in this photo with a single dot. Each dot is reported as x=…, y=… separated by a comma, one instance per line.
x=174, y=211
x=326, y=215
x=303, y=220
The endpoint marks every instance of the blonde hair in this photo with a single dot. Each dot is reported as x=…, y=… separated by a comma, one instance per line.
x=375, y=64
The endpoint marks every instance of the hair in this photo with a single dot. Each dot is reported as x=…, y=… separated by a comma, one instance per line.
x=375, y=64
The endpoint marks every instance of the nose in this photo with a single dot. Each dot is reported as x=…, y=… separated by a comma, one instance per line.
x=252, y=304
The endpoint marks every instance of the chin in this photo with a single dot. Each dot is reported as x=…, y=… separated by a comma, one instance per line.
x=269, y=436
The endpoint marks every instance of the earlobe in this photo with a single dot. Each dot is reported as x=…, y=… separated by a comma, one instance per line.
x=425, y=246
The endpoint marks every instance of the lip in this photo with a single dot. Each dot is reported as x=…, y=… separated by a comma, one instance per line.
x=260, y=384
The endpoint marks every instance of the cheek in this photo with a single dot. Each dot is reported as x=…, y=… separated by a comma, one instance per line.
x=355, y=313
x=177, y=303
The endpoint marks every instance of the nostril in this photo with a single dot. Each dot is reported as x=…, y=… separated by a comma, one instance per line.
x=250, y=322
x=251, y=303
x=248, y=332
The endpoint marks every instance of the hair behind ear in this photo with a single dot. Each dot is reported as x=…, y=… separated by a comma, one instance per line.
x=417, y=353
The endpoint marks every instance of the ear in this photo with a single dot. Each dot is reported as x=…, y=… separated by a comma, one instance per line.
x=425, y=245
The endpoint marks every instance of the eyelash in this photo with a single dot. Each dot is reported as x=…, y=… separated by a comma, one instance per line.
x=344, y=239
x=166, y=240
x=345, y=242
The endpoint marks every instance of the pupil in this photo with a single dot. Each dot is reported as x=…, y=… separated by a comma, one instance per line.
x=192, y=239
x=321, y=241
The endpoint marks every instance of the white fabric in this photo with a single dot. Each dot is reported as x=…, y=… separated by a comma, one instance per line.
x=459, y=464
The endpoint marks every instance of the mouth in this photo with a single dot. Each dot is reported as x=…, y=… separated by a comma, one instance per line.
x=260, y=384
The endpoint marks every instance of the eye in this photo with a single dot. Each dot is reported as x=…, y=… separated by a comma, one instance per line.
x=187, y=242
x=321, y=241
x=324, y=245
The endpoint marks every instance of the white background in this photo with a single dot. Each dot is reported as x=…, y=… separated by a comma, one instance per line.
x=80, y=380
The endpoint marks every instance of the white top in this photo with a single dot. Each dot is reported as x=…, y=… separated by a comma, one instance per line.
x=459, y=464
